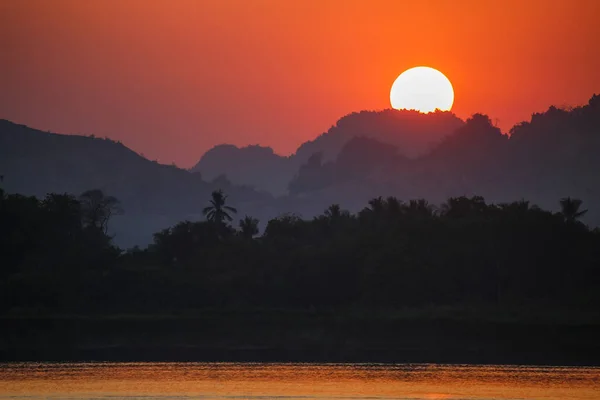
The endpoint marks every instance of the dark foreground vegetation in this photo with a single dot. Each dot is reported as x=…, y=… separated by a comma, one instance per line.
x=463, y=282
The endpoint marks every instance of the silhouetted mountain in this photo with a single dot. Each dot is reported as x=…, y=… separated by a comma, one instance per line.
x=552, y=156
x=411, y=132
x=558, y=151
x=360, y=159
x=545, y=159
x=256, y=166
x=467, y=160
x=153, y=195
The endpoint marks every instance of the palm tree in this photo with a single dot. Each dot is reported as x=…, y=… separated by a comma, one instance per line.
x=570, y=209
x=249, y=227
x=218, y=211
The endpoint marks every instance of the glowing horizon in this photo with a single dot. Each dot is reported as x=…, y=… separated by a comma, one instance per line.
x=173, y=79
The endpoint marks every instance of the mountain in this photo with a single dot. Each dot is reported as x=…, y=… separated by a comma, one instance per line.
x=554, y=155
x=359, y=160
x=551, y=156
x=255, y=166
x=153, y=195
x=413, y=133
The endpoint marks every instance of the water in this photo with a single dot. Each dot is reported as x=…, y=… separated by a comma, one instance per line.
x=295, y=381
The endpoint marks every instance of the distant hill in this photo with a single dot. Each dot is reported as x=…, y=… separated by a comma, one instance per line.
x=411, y=132
x=255, y=166
x=363, y=156
x=554, y=155
x=153, y=195
x=360, y=160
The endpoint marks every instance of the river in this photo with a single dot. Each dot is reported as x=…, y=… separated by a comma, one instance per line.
x=295, y=381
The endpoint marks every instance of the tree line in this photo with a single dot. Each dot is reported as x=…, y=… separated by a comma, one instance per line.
x=57, y=257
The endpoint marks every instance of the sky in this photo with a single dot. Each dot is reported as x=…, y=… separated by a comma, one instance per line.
x=172, y=78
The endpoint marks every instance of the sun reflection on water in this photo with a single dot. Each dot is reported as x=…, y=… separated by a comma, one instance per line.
x=339, y=381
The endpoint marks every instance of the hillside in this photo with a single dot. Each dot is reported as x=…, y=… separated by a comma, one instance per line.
x=554, y=155
x=256, y=166
x=413, y=133
x=153, y=196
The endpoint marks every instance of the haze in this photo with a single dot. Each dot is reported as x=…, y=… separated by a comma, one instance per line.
x=172, y=79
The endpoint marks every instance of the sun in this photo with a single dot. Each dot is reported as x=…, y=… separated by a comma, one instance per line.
x=423, y=89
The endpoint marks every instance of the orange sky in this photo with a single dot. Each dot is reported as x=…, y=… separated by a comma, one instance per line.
x=173, y=78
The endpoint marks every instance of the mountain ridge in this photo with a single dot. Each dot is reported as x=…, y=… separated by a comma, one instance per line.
x=34, y=162
x=554, y=155
x=414, y=133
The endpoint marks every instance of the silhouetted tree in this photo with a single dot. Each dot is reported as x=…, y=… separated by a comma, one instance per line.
x=377, y=205
x=460, y=207
x=393, y=254
x=334, y=213
x=419, y=208
x=63, y=213
x=570, y=209
x=217, y=212
x=518, y=207
x=248, y=227
x=184, y=241
x=285, y=226
x=393, y=206
x=97, y=209
x=333, y=218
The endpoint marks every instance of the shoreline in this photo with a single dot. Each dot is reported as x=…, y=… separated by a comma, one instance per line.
x=313, y=338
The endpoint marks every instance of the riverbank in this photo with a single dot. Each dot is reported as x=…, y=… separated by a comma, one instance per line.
x=282, y=336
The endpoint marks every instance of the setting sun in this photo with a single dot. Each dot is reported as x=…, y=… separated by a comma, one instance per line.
x=423, y=89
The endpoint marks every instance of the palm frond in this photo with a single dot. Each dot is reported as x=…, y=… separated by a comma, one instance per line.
x=226, y=216
x=581, y=213
x=211, y=215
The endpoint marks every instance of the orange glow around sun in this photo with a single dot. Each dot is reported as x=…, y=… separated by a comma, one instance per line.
x=171, y=79
x=423, y=89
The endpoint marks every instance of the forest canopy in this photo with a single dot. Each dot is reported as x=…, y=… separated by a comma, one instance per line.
x=58, y=258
